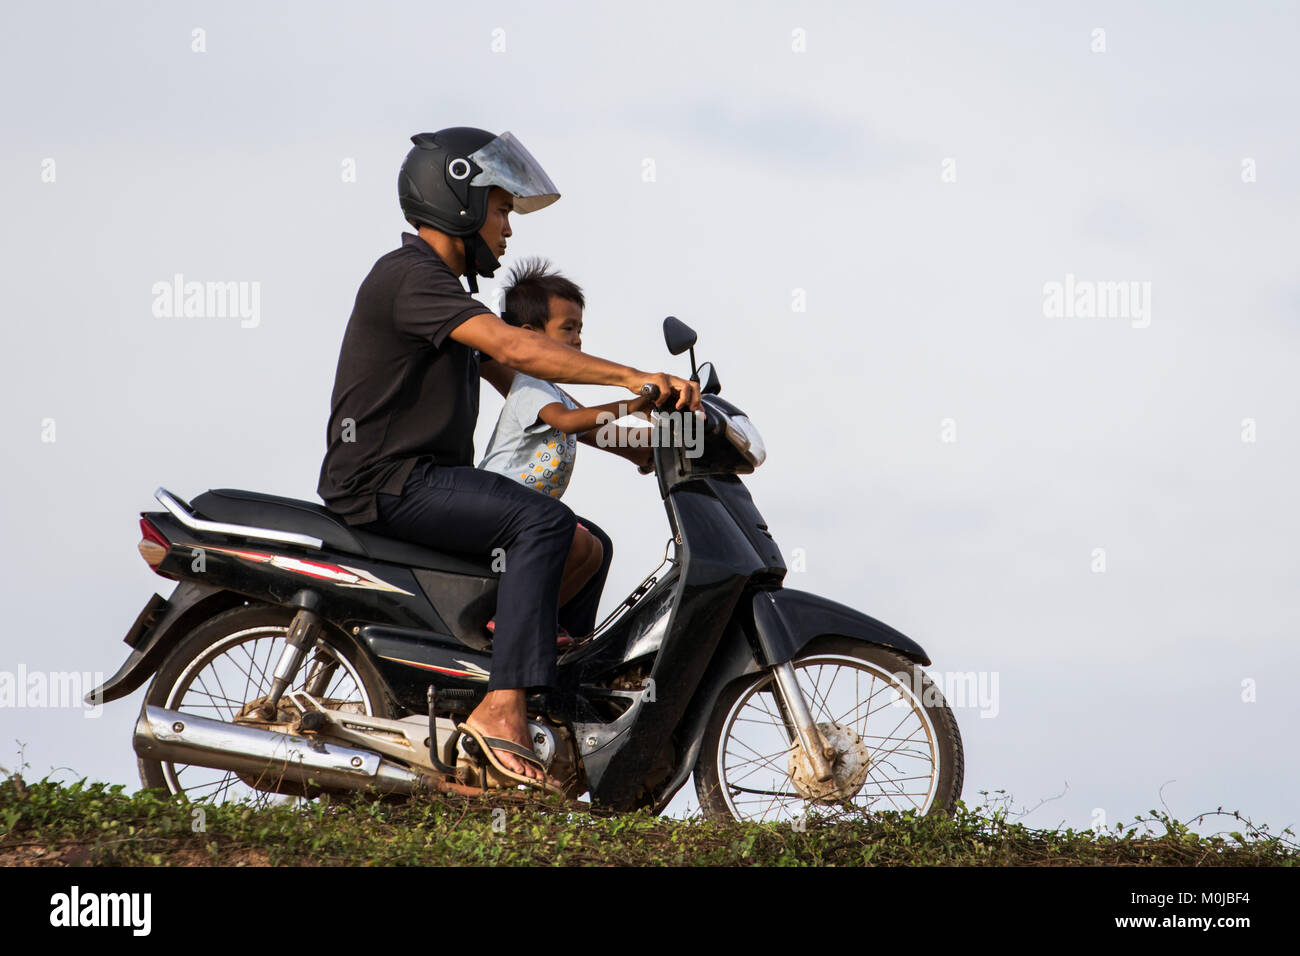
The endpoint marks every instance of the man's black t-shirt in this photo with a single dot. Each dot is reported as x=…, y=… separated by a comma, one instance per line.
x=403, y=389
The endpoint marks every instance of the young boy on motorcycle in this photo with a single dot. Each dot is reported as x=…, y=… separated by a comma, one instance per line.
x=405, y=401
x=536, y=436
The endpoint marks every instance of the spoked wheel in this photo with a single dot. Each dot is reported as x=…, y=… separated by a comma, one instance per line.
x=224, y=667
x=897, y=746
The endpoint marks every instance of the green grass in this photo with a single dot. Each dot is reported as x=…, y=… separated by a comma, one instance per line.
x=96, y=824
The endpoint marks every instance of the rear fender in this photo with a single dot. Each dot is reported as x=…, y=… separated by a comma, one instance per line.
x=160, y=625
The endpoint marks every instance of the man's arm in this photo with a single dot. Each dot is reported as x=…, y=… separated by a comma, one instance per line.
x=544, y=358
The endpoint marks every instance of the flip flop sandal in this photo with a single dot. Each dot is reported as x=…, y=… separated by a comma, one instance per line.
x=488, y=744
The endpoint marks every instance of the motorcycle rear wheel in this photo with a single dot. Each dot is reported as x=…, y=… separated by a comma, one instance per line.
x=915, y=759
x=235, y=653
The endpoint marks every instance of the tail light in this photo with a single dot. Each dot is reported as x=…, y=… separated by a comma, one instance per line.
x=153, y=546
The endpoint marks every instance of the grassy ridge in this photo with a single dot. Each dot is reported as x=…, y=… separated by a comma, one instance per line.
x=49, y=823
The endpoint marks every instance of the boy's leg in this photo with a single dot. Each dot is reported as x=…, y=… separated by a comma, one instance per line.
x=585, y=558
x=578, y=614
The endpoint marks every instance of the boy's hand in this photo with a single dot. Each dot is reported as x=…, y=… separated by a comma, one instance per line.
x=688, y=393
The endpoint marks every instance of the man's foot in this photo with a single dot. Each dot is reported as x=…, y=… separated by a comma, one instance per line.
x=501, y=714
x=492, y=749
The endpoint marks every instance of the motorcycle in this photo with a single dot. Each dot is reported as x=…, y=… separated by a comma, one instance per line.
x=298, y=656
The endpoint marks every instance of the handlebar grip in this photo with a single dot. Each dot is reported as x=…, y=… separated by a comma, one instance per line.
x=650, y=391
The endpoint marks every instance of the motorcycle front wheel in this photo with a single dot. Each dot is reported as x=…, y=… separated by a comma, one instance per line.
x=897, y=743
x=223, y=666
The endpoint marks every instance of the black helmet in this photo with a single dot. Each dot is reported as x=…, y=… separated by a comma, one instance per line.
x=445, y=180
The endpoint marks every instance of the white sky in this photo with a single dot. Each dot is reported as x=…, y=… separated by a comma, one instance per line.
x=775, y=171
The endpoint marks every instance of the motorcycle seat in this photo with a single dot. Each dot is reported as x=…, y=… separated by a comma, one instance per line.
x=232, y=506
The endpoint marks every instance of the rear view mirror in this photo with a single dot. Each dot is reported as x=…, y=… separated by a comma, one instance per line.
x=678, y=336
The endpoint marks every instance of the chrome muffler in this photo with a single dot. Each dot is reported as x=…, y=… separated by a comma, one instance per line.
x=268, y=756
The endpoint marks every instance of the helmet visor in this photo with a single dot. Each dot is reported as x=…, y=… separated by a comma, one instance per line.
x=507, y=164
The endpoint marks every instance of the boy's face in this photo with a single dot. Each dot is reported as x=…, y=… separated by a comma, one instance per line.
x=496, y=227
x=565, y=322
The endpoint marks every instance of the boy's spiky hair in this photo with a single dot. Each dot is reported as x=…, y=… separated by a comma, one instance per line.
x=528, y=291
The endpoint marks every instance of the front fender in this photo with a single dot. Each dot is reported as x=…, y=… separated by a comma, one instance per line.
x=158, y=627
x=786, y=620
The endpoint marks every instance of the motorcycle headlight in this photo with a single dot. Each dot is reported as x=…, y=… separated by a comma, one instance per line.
x=742, y=433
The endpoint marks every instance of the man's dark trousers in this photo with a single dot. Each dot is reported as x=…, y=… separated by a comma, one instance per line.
x=463, y=509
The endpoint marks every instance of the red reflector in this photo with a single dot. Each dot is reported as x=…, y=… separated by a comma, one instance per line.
x=151, y=533
x=153, y=546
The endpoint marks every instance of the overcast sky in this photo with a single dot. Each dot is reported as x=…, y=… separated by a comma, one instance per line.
x=861, y=212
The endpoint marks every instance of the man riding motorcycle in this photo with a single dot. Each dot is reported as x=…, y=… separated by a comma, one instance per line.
x=400, y=455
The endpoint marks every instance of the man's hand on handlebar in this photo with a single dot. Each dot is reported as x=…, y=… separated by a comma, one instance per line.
x=667, y=386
